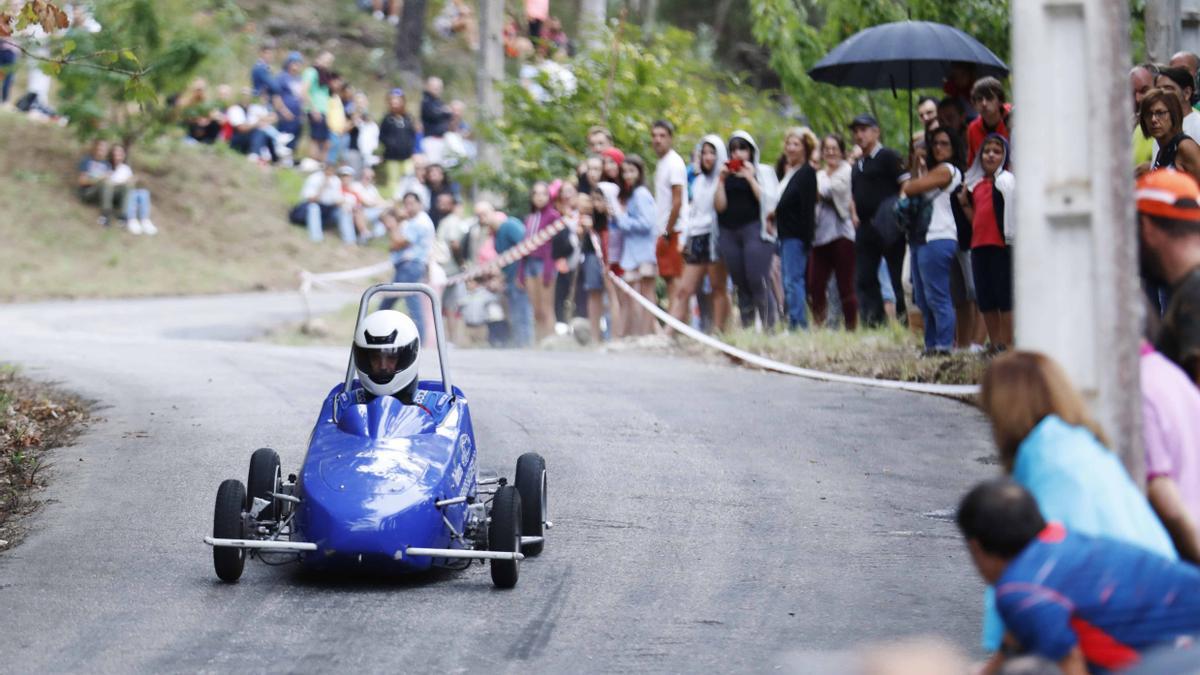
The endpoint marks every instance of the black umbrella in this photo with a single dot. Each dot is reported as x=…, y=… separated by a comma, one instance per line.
x=904, y=55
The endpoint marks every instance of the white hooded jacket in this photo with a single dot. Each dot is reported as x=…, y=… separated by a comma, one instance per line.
x=702, y=214
x=768, y=183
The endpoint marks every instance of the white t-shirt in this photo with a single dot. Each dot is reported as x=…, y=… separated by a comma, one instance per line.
x=941, y=223
x=327, y=189
x=236, y=116
x=120, y=175
x=671, y=171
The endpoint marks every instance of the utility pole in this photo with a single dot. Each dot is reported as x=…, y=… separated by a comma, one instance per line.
x=490, y=72
x=593, y=17
x=1076, y=281
x=1163, y=23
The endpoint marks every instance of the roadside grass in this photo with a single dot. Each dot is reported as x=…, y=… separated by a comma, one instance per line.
x=222, y=221
x=34, y=418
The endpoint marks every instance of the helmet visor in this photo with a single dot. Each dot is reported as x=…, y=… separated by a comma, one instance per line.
x=382, y=363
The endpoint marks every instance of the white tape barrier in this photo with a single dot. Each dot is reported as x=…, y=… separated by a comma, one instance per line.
x=769, y=364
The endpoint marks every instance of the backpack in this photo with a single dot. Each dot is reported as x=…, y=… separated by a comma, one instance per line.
x=913, y=215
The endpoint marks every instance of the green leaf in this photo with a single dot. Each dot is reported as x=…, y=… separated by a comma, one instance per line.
x=68, y=46
x=128, y=55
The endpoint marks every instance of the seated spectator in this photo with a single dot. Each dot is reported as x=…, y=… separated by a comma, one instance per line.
x=372, y=212
x=205, y=127
x=322, y=206
x=94, y=170
x=1049, y=443
x=1082, y=601
x=135, y=200
x=459, y=139
x=245, y=136
x=1169, y=237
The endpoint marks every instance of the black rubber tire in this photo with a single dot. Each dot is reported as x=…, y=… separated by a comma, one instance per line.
x=530, y=480
x=263, y=479
x=504, y=534
x=227, y=524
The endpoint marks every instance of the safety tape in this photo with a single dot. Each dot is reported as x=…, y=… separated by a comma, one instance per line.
x=529, y=245
x=958, y=390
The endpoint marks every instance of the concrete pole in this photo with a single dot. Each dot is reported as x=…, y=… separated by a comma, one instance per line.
x=490, y=71
x=593, y=17
x=1077, y=297
x=1163, y=23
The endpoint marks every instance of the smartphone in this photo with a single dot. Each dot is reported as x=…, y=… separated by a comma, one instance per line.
x=735, y=165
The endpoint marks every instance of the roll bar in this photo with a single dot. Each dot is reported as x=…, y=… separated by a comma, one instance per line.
x=438, y=329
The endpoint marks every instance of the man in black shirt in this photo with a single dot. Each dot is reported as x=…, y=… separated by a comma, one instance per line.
x=875, y=177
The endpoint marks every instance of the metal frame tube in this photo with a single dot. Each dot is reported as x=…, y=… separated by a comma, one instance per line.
x=463, y=553
x=262, y=544
x=438, y=328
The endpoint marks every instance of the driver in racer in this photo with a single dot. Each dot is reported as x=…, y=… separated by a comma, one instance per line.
x=386, y=347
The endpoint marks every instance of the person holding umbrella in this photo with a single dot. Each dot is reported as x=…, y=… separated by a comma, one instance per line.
x=874, y=177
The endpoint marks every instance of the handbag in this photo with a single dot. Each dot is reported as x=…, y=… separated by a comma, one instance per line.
x=913, y=215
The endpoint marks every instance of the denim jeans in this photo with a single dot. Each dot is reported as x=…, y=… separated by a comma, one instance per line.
x=345, y=222
x=410, y=272
x=138, y=205
x=793, y=254
x=520, y=315
x=931, y=290
x=338, y=145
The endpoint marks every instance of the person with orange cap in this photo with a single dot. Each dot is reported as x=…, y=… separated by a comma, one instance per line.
x=1168, y=205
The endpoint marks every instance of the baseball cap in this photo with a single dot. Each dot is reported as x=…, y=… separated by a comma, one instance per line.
x=864, y=120
x=292, y=56
x=346, y=171
x=396, y=92
x=1167, y=193
x=614, y=154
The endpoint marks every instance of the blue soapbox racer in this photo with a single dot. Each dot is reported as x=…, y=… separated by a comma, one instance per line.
x=389, y=482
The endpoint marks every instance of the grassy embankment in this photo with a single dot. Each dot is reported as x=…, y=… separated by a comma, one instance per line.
x=34, y=418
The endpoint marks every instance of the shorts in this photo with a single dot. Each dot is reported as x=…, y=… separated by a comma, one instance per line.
x=992, y=266
x=644, y=271
x=962, y=281
x=701, y=250
x=534, y=268
x=318, y=130
x=593, y=273
x=670, y=260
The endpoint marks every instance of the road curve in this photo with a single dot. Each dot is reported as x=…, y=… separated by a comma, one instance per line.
x=707, y=518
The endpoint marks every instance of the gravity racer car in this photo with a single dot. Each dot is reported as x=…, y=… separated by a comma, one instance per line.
x=389, y=482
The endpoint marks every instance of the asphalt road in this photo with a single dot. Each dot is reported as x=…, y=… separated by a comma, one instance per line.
x=707, y=518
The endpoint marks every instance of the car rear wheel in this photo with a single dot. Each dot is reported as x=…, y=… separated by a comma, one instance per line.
x=504, y=534
x=264, y=478
x=228, y=524
x=530, y=479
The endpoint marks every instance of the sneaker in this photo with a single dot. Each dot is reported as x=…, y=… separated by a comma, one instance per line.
x=134, y=225
x=284, y=138
x=394, y=19
x=149, y=228
x=102, y=221
x=378, y=14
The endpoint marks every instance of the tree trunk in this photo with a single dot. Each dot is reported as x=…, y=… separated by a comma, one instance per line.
x=719, y=20
x=490, y=72
x=410, y=35
x=650, y=17
x=593, y=16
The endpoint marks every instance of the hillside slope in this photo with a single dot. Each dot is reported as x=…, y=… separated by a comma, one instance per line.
x=222, y=223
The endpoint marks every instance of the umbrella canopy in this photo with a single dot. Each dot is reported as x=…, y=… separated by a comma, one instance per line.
x=904, y=55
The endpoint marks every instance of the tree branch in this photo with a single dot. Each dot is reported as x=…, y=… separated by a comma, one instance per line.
x=84, y=61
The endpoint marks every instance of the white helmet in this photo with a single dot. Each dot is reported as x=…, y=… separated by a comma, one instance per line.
x=386, y=346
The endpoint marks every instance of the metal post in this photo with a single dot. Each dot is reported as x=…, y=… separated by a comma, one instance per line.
x=1076, y=275
x=1163, y=19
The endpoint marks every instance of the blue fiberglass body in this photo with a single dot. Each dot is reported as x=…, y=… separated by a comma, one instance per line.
x=373, y=472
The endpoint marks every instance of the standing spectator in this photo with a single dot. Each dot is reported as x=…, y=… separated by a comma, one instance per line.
x=1049, y=443
x=411, y=244
x=833, y=240
x=952, y=114
x=435, y=119
x=336, y=122
x=452, y=234
x=94, y=170
x=986, y=202
x=634, y=218
x=538, y=267
x=262, y=80
x=1161, y=119
x=1179, y=82
x=565, y=249
x=386, y=9
x=746, y=193
x=508, y=232
x=536, y=14
x=593, y=224
x=795, y=218
x=875, y=177
x=1169, y=251
x=1171, y=436
x=699, y=240
x=398, y=136
x=315, y=80
x=364, y=134
x=1190, y=62
x=599, y=139
x=1080, y=601
x=322, y=206
x=927, y=112
x=8, y=69
x=136, y=202
x=670, y=203
x=1141, y=81
x=988, y=97
x=935, y=258
x=287, y=98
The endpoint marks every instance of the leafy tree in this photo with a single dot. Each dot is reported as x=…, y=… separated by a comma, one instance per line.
x=625, y=86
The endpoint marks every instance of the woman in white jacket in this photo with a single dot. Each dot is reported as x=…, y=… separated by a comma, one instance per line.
x=699, y=241
x=746, y=192
x=833, y=242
